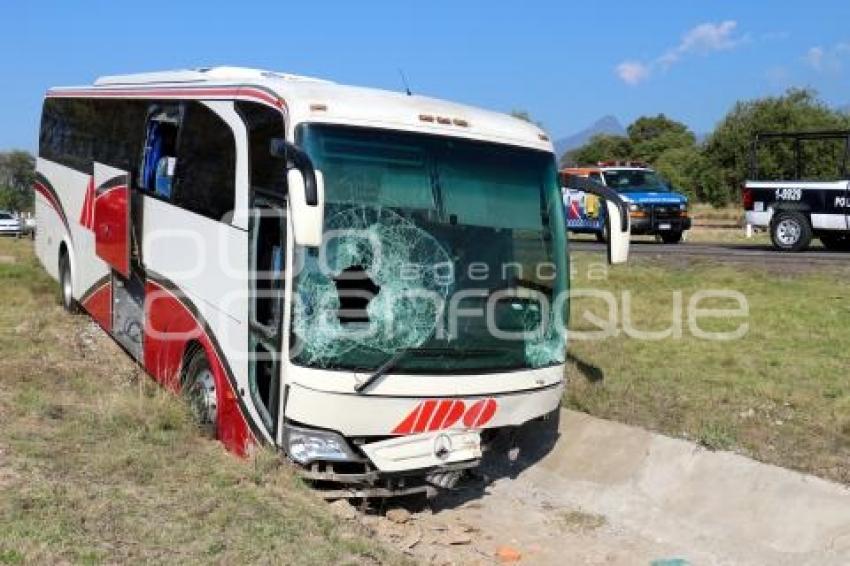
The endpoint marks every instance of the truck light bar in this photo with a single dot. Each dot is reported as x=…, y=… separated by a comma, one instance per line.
x=622, y=164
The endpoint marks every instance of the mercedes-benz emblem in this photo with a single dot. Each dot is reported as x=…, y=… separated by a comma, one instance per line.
x=442, y=446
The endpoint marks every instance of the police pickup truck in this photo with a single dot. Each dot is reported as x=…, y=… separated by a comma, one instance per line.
x=654, y=208
x=796, y=208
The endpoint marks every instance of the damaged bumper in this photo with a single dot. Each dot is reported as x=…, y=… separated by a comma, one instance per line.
x=388, y=446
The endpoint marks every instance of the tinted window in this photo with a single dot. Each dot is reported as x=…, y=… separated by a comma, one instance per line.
x=264, y=124
x=67, y=135
x=4, y=216
x=119, y=128
x=206, y=164
x=77, y=131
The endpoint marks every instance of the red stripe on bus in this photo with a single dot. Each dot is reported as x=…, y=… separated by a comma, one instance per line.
x=169, y=325
x=53, y=202
x=424, y=415
x=98, y=304
x=247, y=92
x=406, y=425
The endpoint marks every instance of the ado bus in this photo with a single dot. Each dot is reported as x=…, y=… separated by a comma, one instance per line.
x=373, y=282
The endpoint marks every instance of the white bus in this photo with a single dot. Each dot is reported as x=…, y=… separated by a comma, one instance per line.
x=373, y=282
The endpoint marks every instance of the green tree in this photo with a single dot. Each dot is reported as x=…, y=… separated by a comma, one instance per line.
x=648, y=128
x=653, y=135
x=728, y=147
x=648, y=137
x=692, y=173
x=17, y=174
x=601, y=147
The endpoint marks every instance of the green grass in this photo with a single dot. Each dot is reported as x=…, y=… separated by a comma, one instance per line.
x=780, y=394
x=99, y=465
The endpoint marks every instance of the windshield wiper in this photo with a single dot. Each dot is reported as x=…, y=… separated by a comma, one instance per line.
x=391, y=363
x=385, y=367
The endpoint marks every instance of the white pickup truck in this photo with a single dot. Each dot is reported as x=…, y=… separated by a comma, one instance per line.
x=795, y=210
x=10, y=225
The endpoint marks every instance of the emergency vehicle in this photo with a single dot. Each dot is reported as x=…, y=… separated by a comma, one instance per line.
x=798, y=207
x=373, y=282
x=654, y=208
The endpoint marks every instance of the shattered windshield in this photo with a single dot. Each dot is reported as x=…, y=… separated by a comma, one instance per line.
x=451, y=249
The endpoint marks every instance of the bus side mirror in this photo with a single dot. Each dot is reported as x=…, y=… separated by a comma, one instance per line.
x=306, y=189
x=617, y=219
x=619, y=233
x=307, y=219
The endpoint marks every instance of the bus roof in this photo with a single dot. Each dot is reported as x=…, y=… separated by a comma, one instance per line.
x=308, y=99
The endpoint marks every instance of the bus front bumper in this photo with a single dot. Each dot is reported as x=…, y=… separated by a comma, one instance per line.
x=370, y=446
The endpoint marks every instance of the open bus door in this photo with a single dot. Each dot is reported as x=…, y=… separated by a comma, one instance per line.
x=112, y=217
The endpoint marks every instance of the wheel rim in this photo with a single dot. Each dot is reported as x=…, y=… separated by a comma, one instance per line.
x=67, y=292
x=202, y=397
x=788, y=231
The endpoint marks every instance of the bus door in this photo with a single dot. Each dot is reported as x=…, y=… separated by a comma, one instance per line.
x=114, y=243
x=267, y=252
x=112, y=217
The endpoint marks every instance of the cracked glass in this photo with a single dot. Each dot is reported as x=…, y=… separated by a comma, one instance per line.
x=451, y=249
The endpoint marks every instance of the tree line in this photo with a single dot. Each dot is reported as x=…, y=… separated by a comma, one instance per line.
x=17, y=174
x=713, y=170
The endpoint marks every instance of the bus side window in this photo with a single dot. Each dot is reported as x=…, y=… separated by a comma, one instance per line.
x=67, y=133
x=205, y=170
x=160, y=150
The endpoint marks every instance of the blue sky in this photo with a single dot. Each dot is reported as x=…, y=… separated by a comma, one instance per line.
x=567, y=63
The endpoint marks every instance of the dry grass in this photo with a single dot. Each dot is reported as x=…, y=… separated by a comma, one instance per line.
x=706, y=213
x=780, y=394
x=97, y=464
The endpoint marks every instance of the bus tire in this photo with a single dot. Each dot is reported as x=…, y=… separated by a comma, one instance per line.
x=790, y=231
x=66, y=285
x=199, y=390
x=671, y=237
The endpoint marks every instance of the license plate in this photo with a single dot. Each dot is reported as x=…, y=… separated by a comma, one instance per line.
x=664, y=226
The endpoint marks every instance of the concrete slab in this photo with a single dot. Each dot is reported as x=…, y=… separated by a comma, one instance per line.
x=714, y=506
x=590, y=491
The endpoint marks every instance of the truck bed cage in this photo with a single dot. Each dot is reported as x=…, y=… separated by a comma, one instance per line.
x=798, y=138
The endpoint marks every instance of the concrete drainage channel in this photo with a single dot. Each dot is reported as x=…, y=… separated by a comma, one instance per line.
x=607, y=493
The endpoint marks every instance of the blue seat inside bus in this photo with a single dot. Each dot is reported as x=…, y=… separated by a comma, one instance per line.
x=158, y=161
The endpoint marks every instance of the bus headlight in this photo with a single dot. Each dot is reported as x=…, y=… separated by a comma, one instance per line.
x=633, y=207
x=305, y=445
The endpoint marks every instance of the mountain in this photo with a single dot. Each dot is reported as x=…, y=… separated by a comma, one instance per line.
x=605, y=125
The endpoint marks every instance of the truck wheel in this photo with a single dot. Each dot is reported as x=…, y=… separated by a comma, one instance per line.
x=200, y=391
x=671, y=237
x=836, y=242
x=66, y=285
x=790, y=232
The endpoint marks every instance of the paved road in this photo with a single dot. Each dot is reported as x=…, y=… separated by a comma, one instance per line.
x=732, y=253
